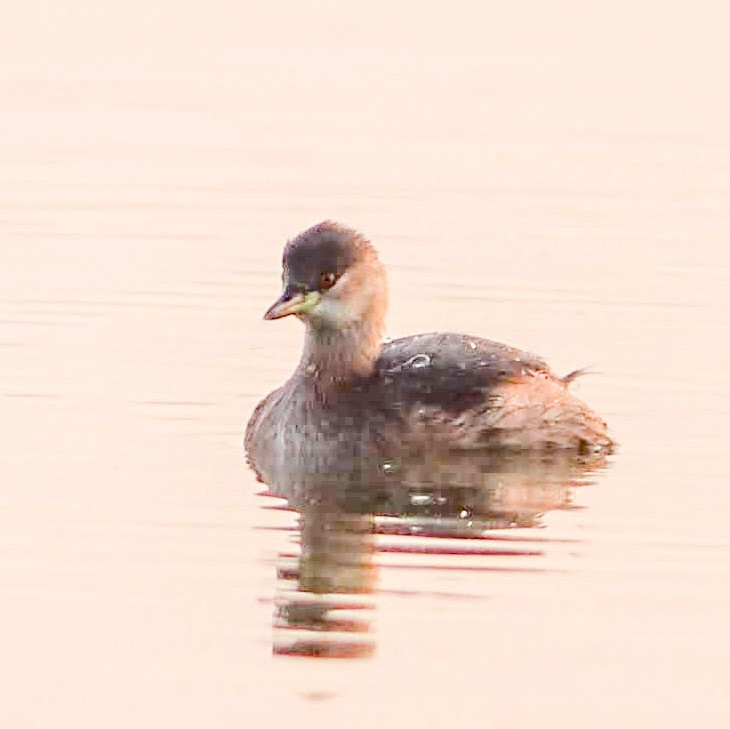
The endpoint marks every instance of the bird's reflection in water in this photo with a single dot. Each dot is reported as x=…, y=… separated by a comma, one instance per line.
x=323, y=601
x=325, y=591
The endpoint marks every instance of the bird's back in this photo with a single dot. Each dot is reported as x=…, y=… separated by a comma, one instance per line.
x=460, y=392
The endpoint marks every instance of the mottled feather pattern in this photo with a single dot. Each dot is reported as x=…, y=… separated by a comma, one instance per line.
x=457, y=392
x=355, y=402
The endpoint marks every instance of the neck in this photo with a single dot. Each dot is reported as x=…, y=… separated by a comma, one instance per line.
x=337, y=356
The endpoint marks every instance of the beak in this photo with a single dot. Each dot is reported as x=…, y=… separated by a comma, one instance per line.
x=292, y=301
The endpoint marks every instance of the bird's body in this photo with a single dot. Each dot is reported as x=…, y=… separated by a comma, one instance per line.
x=355, y=403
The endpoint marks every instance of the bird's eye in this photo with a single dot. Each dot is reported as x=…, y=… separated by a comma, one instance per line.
x=327, y=280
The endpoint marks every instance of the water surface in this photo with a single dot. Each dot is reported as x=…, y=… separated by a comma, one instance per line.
x=554, y=177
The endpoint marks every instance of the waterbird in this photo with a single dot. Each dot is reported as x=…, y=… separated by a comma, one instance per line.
x=356, y=405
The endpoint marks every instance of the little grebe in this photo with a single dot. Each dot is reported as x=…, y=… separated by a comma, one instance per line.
x=356, y=402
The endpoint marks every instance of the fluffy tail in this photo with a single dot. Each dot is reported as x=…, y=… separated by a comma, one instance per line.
x=575, y=374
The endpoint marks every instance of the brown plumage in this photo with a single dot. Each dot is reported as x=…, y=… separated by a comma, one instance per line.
x=354, y=403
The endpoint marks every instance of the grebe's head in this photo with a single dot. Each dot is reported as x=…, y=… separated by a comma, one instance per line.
x=332, y=279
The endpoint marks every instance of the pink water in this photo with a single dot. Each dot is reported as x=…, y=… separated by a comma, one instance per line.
x=553, y=176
